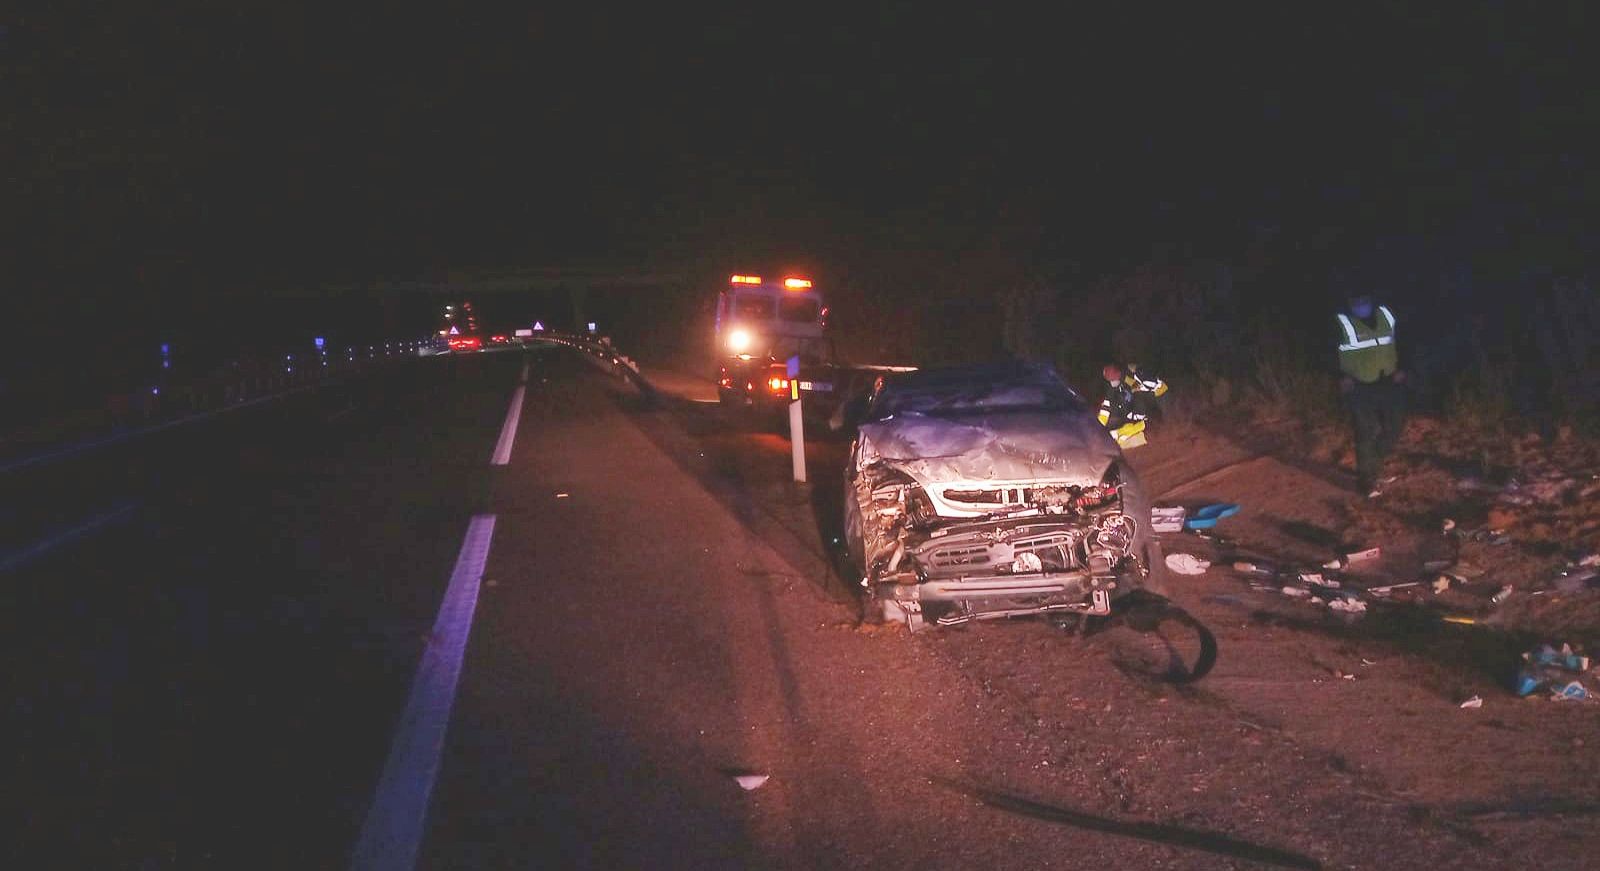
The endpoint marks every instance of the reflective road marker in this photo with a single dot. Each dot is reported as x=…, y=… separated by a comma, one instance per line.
x=392, y=834
x=508, y=431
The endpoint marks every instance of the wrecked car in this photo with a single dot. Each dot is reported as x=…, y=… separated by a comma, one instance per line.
x=989, y=491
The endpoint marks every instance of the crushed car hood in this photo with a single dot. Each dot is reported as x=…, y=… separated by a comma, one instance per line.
x=1064, y=447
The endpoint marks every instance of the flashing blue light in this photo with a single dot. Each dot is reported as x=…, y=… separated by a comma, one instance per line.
x=319, y=342
x=166, y=349
x=155, y=391
x=166, y=364
x=591, y=326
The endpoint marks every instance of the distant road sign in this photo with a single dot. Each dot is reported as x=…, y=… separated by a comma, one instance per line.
x=522, y=334
x=538, y=325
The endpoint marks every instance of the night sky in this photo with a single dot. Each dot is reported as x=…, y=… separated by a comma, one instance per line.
x=200, y=145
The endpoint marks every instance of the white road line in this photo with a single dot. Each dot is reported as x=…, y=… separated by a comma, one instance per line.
x=392, y=834
x=508, y=430
x=526, y=364
x=40, y=548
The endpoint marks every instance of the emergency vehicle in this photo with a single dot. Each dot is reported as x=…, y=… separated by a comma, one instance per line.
x=760, y=325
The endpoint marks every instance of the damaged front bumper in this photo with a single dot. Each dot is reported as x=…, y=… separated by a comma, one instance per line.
x=954, y=570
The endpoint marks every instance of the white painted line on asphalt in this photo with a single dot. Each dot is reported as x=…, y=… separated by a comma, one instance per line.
x=508, y=430
x=526, y=364
x=392, y=834
x=39, y=548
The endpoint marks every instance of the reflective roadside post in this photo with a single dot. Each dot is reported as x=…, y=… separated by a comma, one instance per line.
x=797, y=442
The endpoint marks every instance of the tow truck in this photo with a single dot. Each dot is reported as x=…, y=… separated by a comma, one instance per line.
x=762, y=324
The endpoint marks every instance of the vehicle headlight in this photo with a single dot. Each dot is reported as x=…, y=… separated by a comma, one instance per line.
x=739, y=341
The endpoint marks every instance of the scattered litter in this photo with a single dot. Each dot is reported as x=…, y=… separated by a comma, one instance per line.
x=1577, y=581
x=1361, y=556
x=1590, y=561
x=1389, y=588
x=1474, y=702
x=1249, y=568
x=1207, y=516
x=1316, y=579
x=1460, y=618
x=1186, y=564
x=1573, y=691
x=1296, y=592
x=1438, y=565
x=1368, y=662
x=1566, y=657
x=1441, y=583
x=1448, y=525
x=748, y=782
x=1350, y=606
x=1505, y=593
x=1167, y=519
x=1547, y=666
x=1491, y=537
x=561, y=495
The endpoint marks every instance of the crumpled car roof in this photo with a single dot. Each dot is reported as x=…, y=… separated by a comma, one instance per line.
x=1060, y=446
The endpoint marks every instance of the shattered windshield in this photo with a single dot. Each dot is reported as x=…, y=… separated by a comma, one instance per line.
x=975, y=390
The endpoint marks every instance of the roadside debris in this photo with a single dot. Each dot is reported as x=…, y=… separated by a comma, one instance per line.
x=1474, y=702
x=1167, y=519
x=1206, y=517
x=1505, y=593
x=1348, y=605
x=1547, y=666
x=1187, y=564
x=748, y=782
x=1344, y=560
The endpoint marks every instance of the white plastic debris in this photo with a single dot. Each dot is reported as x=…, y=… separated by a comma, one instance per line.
x=748, y=782
x=1474, y=702
x=1167, y=519
x=1187, y=564
x=1350, y=606
x=562, y=495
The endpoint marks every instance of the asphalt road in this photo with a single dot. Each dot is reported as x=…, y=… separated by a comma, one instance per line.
x=378, y=626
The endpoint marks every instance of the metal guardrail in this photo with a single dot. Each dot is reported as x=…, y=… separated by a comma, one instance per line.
x=164, y=403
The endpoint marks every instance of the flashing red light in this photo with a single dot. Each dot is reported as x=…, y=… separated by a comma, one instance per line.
x=778, y=384
x=745, y=279
x=796, y=283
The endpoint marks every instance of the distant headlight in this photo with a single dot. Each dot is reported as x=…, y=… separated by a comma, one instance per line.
x=739, y=341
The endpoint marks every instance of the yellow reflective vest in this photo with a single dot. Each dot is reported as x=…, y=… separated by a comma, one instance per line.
x=1367, y=351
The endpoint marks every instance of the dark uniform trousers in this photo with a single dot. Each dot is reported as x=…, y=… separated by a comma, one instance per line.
x=1378, y=410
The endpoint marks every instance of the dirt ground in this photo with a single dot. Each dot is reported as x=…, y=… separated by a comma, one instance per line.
x=1338, y=738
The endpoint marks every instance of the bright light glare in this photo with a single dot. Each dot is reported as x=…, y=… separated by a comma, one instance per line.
x=739, y=341
x=797, y=283
x=745, y=279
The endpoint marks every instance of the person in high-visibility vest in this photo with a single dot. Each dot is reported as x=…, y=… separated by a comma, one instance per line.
x=1373, y=385
x=1129, y=402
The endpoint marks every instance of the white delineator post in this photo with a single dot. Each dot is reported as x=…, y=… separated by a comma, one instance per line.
x=797, y=430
